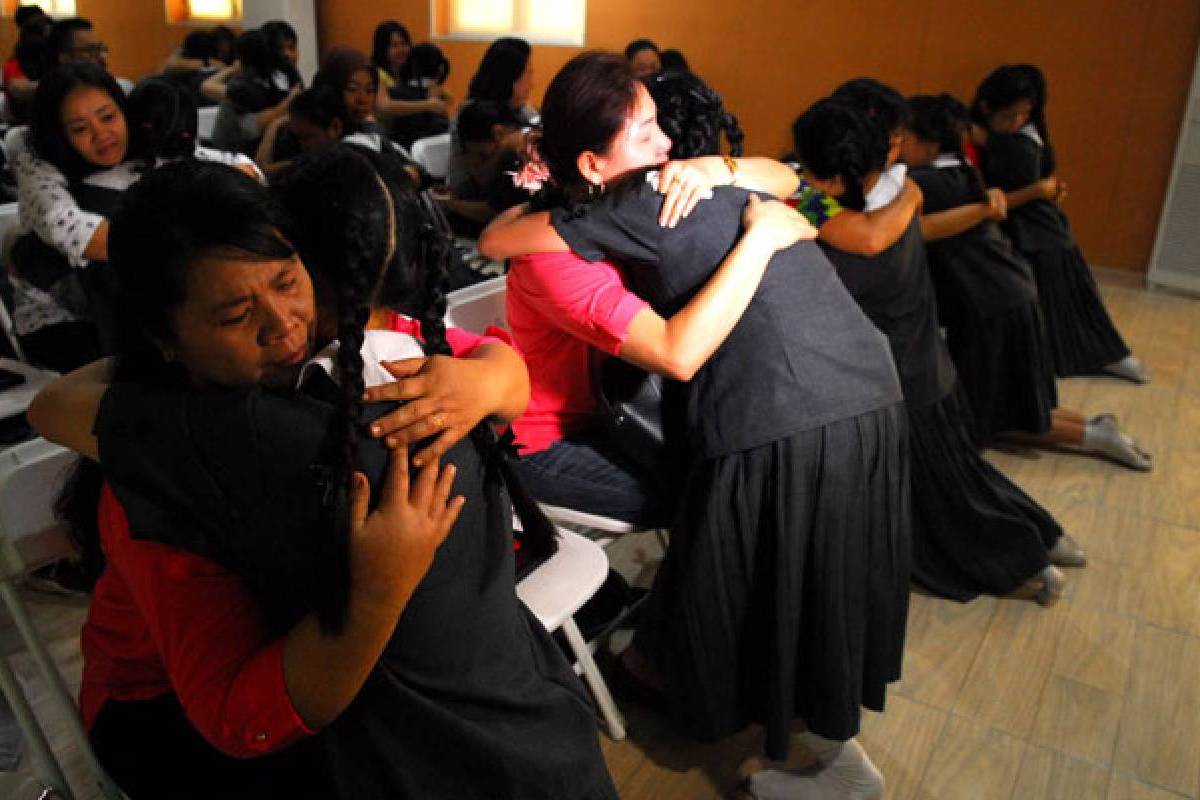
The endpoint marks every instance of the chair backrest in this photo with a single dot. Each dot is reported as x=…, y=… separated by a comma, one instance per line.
x=31, y=476
x=475, y=308
x=15, y=142
x=207, y=120
x=433, y=153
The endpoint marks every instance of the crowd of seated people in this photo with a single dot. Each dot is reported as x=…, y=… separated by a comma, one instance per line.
x=294, y=503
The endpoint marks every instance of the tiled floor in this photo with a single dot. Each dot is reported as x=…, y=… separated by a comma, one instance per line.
x=1097, y=697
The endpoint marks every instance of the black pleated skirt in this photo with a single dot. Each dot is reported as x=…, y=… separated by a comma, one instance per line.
x=974, y=531
x=784, y=592
x=1006, y=371
x=1083, y=339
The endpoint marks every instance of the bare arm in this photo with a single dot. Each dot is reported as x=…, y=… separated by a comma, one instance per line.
x=755, y=173
x=679, y=346
x=953, y=221
x=1045, y=189
x=215, y=86
x=21, y=88
x=388, y=109
x=515, y=232
x=65, y=410
x=266, y=149
x=97, y=246
x=870, y=233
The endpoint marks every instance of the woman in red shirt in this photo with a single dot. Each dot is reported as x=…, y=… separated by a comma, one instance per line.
x=386, y=658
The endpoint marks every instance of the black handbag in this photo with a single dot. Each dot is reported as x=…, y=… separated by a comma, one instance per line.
x=631, y=409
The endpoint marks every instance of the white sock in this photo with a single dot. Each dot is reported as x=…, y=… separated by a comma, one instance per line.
x=1130, y=368
x=1102, y=436
x=846, y=773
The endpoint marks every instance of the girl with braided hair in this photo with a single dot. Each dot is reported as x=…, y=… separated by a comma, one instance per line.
x=1009, y=110
x=973, y=531
x=281, y=645
x=987, y=298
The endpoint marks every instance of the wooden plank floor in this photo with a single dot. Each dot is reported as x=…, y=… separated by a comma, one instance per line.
x=1097, y=697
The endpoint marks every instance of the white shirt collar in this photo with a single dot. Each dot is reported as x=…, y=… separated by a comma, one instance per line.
x=946, y=161
x=377, y=346
x=1031, y=131
x=890, y=182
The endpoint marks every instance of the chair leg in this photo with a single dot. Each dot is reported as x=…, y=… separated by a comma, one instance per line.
x=45, y=765
x=57, y=687
x=595, y=681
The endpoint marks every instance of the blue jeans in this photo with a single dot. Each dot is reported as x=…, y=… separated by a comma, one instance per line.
x=585, y=473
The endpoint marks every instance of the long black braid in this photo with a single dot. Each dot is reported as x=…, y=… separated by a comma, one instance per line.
x=943, y=120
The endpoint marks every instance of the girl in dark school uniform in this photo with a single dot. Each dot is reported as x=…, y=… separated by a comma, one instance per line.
x=988, y=300
x=973, y=530
x=1010, y=112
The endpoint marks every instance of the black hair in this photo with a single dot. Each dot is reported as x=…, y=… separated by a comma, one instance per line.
x=162, y=121
x=167, y=223
x=33, y=51
x=835, y=139
x=223, y=35
x=584, y=107
x=279, y=33
x=637, y=46
x=381, y=40
x=673, y=61
x=24, y=14
x=46, y=133
x=692, y=115
x=321, y=104
x=426, y=61
x=62, y=34
x=501, y=67
x=476, y=119
x=1009, y=84
x=199, y=44
x=944, y=121
x=257, y=57
x=883, y=106
x=339, y=66
x=359, y=225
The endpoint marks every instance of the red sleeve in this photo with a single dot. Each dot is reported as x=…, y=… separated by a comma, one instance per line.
x=462, y=343
x=225, y=668
x=12, y=69
x=585, y=299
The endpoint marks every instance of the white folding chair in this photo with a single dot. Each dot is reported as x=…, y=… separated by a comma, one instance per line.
x=206, y=121
x=15, y=142
x=475, y=308
x=559, y=587
x=31, y=476
x=8, y=227
x=433, y=153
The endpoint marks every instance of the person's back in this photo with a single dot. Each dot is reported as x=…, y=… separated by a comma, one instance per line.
x=803, y=349
x=979, y=266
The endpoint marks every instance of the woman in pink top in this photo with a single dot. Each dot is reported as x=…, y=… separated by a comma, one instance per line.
x=566, y=314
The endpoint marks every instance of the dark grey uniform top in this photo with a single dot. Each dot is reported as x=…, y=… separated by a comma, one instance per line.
x=470, y=698
x=803, y=354
x=1011, y=162
x=977, y=272
x=896, y=292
